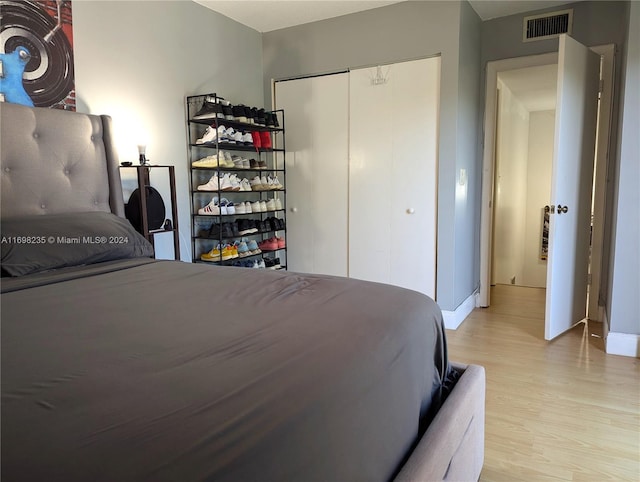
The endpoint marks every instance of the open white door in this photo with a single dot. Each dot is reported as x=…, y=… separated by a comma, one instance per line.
x=571, y=186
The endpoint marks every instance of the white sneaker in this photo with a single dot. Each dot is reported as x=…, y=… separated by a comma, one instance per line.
x=226, y=135
x=210, y=135
x=225, y=183
x=247, y=207
x=276, y=183
x=241, y=208
x=237, y=162
x=227, y=207
x=244, y=185
x=212, y=185
x=265, y=183
x=235, y=182
x=210, y=209
x=278, y=204
x=247, y=139
x=256, y=184
x=255, y=207
x=271, y=205
x=261, y=264
x=263, y=206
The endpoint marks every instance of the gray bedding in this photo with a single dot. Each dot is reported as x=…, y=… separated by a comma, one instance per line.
x=167, y=371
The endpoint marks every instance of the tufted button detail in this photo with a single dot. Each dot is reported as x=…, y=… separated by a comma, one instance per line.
x=36, y=135
x=7, y=169
x=66, y=171
x=92, y=138
x=43, y=206
x=95, y=203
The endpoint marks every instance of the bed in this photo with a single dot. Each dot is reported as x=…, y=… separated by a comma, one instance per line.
x=117, y=366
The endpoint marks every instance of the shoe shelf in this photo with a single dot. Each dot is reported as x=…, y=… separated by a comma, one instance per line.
x=227, y=216
x=234, y=237
x=245, y=126
x=234, y=169
x=235, y=147
x=265, y=128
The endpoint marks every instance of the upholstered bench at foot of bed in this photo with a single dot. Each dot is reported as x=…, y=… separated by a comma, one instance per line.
x=452, y=448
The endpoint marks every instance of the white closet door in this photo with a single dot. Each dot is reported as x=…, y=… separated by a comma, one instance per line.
x=393, y=174
x=316, y=130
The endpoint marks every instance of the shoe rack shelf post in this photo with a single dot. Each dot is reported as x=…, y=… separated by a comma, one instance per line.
x=213, y=154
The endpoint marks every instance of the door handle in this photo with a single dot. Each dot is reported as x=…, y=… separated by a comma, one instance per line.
x=562, y=209
x=549, y=209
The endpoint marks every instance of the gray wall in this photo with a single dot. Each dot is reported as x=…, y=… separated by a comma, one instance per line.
x=623, y=305
x=138, y=60
x=405, y=31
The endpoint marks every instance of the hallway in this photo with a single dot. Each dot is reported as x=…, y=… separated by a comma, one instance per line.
x=561, y=410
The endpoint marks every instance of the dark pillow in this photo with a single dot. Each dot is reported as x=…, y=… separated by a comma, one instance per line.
x=32, y=244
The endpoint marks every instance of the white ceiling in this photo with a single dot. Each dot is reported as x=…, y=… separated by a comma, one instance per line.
x=268, y=15
x=535, y=87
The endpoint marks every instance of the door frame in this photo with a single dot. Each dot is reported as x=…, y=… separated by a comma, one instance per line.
x=607, y=52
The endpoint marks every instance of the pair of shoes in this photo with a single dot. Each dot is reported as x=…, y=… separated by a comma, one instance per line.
x=274, y=224
x=261, y=139
x=212, y=108
x=224, y=230
x=221, y=253
x=272, y=244
x=209, y=161
x=218, y=207
x=210, y=136
x=246, y=226
x=272, y=263
x=233, y=136
x=213, y=255
x=264, y=183
x=252, y=226
x=226, y=182
x=240, y=162
x=253, y=164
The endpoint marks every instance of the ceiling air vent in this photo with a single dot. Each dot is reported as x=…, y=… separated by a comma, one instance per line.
x=547, y=25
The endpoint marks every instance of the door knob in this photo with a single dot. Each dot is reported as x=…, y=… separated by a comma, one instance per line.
x=411, y=211
x=562, y=209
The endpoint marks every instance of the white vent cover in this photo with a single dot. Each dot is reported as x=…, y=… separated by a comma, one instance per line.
x=547, y=25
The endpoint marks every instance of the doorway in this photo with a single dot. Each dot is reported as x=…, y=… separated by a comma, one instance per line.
x=489, y=187
x=524, y=152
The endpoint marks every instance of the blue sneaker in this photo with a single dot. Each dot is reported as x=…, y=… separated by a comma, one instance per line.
x=253, y=247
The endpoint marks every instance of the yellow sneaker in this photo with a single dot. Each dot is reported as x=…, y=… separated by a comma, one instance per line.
x=209, y=161
x=213, y=255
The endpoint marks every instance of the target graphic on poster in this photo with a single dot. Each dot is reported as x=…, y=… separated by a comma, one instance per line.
x=36, y=53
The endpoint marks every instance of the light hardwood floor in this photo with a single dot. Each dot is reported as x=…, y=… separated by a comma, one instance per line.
x=559, y=410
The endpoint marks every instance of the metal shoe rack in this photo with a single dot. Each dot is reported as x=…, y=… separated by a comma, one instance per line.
x=206, y=230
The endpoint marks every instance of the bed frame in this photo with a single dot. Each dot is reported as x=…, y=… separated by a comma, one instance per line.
x=55, y=161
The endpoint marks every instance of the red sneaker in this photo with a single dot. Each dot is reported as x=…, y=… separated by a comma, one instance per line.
x=256, y=139
x=270, y=244
x=265, y=140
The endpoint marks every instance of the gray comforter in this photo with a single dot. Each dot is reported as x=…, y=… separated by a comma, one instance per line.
x=167, y=371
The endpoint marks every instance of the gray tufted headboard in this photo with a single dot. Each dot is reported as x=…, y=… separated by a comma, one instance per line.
x=54, y=161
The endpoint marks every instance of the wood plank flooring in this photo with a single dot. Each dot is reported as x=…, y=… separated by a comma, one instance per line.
x=559, y=410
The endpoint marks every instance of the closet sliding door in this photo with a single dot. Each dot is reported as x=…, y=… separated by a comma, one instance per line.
x=393, y=125
x=317, y=140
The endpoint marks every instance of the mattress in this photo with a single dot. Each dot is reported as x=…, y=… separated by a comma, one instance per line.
x=158, y=370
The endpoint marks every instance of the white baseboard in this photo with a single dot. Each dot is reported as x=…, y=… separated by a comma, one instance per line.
x=624, y=344
x=453, y=319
